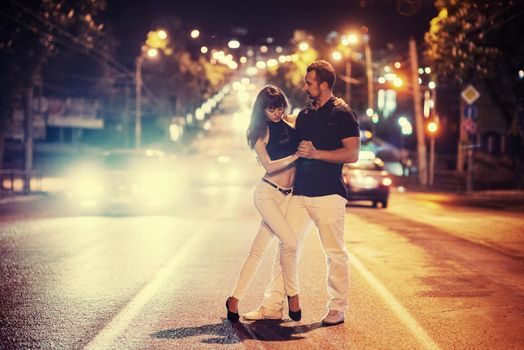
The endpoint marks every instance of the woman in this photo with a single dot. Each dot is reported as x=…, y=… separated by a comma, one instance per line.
x=275, y=143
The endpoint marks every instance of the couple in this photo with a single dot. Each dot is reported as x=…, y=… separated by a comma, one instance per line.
x=325, y=137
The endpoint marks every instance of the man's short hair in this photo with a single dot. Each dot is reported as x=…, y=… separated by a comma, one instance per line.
x=324, y=72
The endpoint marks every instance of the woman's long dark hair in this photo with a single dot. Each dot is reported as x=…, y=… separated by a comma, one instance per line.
x=269, y=97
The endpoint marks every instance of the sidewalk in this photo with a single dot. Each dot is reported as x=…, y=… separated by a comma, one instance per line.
x=18, y=197
x=494, y=199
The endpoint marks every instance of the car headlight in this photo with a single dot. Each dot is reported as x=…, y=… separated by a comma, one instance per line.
x=87, y=187
x=386, y=181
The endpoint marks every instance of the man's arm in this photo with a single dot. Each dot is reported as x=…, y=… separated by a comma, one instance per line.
x=347, y=154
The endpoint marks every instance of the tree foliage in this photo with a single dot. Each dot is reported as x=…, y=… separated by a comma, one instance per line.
x=183, y=74
x=479, y=41
x=32, y=31
x=290, y=76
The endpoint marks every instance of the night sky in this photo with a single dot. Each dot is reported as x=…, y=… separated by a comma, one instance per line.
x=132, y=19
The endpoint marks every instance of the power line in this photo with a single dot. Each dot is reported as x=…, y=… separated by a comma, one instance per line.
x=104, y=55
x=82, y=49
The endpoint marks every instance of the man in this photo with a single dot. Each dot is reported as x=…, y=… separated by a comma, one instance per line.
x=331, y=138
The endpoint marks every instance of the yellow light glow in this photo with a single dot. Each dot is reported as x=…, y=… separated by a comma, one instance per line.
x=251, y=71
x=203, y=49
x=432, y=127
x=337, y=56
x=272, y=63
x=162, y=34
x=233, y=44
x=386, y=181
x=195, y=33
x=398, y=82
x=261, y=64
x=432, y=85
x=397, y=65
x=152, y=53
x=263, y=49
x=303, y=46
x=243, y=59
x=352, y=39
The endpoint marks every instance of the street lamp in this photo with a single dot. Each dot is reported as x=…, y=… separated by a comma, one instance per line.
x=155, y=40
x=406, y=129
x=346, y=41
x=432, y=129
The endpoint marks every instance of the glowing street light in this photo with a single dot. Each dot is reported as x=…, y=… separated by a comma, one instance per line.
x=303, y=46
x=152, y=53
x=352, y=39
x=233, y=44
x=162, y=34
x=156, y=40
x=398, y=82
x=432, y=129
x=195, y=33
x=204, y=49
x=337, y=55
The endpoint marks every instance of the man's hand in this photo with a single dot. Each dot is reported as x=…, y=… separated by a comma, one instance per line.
x=306, y=149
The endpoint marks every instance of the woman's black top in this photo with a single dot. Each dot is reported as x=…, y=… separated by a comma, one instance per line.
x=283, y=140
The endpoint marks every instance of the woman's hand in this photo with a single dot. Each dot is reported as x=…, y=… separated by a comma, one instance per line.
x=339, y=102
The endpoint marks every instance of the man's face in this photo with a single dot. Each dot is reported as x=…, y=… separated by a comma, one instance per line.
x=311, y=85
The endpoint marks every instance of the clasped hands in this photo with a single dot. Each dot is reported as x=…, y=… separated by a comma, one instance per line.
x=306, y=149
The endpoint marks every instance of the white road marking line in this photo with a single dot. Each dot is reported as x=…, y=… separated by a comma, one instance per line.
x=400, y=311
x=106, y=337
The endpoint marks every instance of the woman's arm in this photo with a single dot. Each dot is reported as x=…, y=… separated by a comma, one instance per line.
x=272, y=166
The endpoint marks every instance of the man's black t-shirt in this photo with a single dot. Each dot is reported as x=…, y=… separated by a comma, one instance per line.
x=325, y=127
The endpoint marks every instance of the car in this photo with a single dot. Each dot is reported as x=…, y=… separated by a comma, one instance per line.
x=366, y=180
x=131, y=179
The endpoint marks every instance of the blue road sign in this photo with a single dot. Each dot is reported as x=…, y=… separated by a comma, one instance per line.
x=471, y=112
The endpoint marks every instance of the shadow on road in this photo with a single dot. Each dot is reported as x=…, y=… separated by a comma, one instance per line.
x=230, y=333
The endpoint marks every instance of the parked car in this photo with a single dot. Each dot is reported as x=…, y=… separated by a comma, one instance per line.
x=366, y=180
x=137, y=180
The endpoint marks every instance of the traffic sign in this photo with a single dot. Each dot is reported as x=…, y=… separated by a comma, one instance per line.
x=469, y=126
x=471, y=111
x=470, y=94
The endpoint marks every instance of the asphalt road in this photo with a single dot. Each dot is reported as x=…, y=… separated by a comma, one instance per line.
x=429, y=272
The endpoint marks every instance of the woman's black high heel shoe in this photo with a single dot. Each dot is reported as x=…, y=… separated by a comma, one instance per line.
x=294, y=315
x=231, y=316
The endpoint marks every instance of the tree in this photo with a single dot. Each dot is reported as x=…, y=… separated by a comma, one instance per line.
x=480, y=42
x=32, y=31
x=183, y=74
x=290, y=76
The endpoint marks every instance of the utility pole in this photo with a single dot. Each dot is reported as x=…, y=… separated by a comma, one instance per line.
x=28, y=137
x=419, y=121
x=126, y=115
x=138, y=101
x=369, y=74
x=348, y=81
